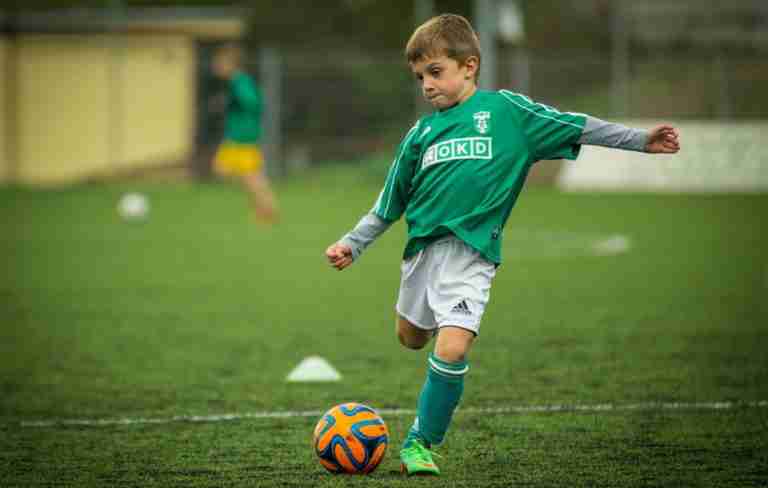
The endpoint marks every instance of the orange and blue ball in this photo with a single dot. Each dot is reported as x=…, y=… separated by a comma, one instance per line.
x=351, y=438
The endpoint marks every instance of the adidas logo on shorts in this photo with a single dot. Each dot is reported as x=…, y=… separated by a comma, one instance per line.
x=462, y=308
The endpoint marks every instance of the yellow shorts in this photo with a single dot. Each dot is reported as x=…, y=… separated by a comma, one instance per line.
x=238, y=159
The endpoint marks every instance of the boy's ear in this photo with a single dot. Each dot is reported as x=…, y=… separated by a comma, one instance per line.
x=472, y=64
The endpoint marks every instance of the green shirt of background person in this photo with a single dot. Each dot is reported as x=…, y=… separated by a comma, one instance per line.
x=244, y=110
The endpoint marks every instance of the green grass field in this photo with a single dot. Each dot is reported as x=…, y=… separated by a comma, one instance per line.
x=199, y=311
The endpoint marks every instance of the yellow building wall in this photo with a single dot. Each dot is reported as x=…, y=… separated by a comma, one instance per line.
x=157, y=74
x=62, y=108
x=5, y=110
x=94, y=105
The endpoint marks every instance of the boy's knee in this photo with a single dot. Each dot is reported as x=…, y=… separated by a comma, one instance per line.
x=453, y=344
x=411, y=342
x=451, y=353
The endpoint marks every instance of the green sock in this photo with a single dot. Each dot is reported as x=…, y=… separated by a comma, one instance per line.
x=438, y=399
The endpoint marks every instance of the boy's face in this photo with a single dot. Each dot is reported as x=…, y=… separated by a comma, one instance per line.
x=444, y=82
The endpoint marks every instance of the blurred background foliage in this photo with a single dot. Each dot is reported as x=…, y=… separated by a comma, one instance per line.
x=372, y=24
x=343, y=76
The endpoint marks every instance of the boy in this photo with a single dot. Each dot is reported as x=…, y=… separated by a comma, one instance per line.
x=240, y=154
x=456, y=176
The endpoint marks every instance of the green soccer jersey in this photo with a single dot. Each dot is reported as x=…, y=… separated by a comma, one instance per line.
x=459, y=171
x=243, y=123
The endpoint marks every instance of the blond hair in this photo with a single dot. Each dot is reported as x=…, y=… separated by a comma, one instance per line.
x=447, y=35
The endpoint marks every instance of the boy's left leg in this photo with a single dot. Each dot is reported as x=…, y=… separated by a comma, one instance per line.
x=445, y=286
x=458, y=285
x=444, y=383
x=438, y=399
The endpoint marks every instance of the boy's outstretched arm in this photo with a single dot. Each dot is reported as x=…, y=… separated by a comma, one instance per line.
x=344, y=252
x=389, y=207
x=663, y=139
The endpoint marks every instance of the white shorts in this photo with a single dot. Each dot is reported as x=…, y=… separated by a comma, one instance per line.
x=446, y=284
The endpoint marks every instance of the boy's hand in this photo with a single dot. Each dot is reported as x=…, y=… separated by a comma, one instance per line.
x=339, y=255
x=663, y=139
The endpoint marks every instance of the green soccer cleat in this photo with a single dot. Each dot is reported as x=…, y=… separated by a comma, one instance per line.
x=417, y=459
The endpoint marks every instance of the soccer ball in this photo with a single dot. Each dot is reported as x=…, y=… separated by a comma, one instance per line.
x=133, y=206
x=351, y=438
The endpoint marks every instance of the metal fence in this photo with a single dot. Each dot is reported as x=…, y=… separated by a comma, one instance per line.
x=349, y=106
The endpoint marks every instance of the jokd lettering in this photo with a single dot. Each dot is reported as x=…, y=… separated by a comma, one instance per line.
x=461, y=148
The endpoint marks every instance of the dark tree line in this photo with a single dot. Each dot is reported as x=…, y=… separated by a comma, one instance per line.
x=369, y=24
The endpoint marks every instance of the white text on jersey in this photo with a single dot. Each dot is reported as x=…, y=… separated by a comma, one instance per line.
x=461, y=148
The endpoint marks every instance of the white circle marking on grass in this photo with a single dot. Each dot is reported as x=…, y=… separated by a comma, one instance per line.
x=389, y=412
x=527, y=243
x=612, y=245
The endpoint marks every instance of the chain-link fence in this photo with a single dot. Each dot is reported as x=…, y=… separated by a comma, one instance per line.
x=671, y=85
x=339, y=106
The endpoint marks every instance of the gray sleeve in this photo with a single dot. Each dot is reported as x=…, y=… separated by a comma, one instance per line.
x=365, y=232
x=601, y=133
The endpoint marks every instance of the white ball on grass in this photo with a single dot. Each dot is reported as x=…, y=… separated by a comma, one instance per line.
x=133, y=206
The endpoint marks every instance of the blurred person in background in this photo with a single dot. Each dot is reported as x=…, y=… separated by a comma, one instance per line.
x=239, y=153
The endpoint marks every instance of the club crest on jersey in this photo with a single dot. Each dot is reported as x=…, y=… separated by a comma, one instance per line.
x=482, y=121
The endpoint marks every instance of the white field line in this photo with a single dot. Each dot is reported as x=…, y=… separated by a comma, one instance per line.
x=510, y=410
